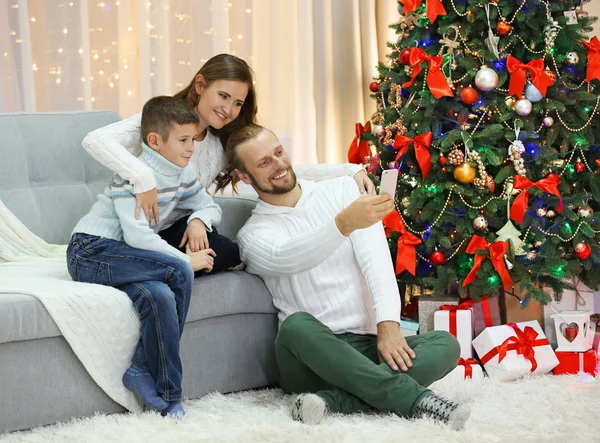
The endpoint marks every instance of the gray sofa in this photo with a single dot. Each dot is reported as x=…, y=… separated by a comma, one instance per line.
x=48, y=181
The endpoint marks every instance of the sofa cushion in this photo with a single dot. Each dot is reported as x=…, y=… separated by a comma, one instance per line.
x=23, y=317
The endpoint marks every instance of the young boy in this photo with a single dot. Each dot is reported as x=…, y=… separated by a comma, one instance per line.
x=111, y=247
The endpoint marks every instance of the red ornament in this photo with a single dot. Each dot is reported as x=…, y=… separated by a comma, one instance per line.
x=437, y=258
x=442, y=160
x=582, y=250
x=374, y=87
x=554, y=174
x=598, y=162
x=404, y=57
x=579, y=167
x=469, y=95
x=503, y=28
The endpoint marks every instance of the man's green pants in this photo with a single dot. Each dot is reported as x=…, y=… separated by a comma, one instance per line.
x=344, y=370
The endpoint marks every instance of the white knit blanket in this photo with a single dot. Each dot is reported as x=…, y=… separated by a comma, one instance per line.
x=99, y=322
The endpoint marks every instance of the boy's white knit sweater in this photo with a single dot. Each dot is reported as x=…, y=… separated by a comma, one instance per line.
x=347, y=283
x=179, y=195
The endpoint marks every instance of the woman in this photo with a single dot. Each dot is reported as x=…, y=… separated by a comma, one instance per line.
x=222, y=94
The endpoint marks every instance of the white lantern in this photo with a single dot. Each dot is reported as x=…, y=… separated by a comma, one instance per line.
x=574, y=331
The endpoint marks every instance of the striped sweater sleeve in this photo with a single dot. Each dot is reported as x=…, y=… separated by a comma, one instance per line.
x=195, y=198
x=110, y=147
x=137, y=232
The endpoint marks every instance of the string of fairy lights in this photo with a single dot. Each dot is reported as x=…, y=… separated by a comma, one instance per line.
x=69, y=46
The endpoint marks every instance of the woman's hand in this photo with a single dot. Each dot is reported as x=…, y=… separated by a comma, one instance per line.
x=195, y=236
x=148, y=201
x=364, y=183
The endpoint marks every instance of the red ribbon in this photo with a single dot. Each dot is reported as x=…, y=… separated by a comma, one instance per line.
x=523, y=343
x=487, y=313
x=593, y=55
x=421, y=143
x=433, y=7
x=548, y=185
x=538, y=75
x=359, y=149
x=497, y=252
x=598, y=162
x=406, y=254
x=464, y=306
x=438, y=85
x=468, y=363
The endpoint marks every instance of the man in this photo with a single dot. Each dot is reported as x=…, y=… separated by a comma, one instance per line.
x=322, y=252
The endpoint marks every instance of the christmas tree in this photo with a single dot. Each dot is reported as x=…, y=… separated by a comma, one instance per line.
x=489, y=110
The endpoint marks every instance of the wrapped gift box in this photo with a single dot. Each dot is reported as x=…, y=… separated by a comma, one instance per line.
x=457, y=320
x=575, y=362
x=465, y=370
x=408, y=327
x=508, y=352
x=428, y=305
x=580, y=299
x=486, y=313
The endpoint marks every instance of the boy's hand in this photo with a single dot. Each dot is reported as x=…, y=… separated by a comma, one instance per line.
x=147, y=202
x=195, y=236
x=204, y=259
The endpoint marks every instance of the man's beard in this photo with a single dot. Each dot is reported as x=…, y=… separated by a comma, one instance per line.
x=276, y=190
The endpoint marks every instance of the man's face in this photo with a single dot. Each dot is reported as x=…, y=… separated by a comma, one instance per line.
x=268, y=167
x=179, y=147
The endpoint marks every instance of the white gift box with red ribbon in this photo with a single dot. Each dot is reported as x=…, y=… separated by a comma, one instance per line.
x=458, y=321
x=508, y=352
x=467, y=369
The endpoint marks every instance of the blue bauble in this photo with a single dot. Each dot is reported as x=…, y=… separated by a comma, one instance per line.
x=400, y=8
x=532, y=93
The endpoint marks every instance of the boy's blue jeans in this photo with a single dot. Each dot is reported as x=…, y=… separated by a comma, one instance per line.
x=160, y=288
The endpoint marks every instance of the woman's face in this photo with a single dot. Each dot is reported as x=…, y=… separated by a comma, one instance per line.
x=221, y=102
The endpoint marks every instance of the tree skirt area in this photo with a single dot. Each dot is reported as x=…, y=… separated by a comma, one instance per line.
x=536, y=409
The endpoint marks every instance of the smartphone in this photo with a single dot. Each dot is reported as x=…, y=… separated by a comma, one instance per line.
x=389, y=180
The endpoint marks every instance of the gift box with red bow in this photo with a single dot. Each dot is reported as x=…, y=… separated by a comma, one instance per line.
x=575, y=362
x=510, y=351
x=465, y=370
x=486, y=313
x=458, y=321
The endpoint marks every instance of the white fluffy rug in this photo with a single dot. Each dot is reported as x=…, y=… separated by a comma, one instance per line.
x=541, y=409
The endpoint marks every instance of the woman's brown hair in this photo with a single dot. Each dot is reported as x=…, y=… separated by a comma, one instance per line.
x=225, y=67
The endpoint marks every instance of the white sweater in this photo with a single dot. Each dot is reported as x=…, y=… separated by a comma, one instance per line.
x=106, y=146
x=347, y=283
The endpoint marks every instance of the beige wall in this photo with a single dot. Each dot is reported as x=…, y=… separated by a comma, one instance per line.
x=593, y=7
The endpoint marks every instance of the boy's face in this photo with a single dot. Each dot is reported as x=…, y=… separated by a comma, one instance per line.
x=179, y=147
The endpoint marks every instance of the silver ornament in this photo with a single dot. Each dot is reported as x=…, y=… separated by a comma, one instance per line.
x=585, y=211
x=486, y=79
x=523, y=107
x=377, y=130
x=572, y=58
x=532, y=93
x=548, y=121
x=540, y=212
x=480, y=223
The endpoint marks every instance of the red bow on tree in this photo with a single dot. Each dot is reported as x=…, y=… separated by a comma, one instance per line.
x=433, y=7
x=359, y=149
x=435, y=77
x=548, y=184
x=523, y=343
x=539, y=78
x=497, y=252
x=468, y=363
x=593, y=55
x=421, y=143
x=406, y=254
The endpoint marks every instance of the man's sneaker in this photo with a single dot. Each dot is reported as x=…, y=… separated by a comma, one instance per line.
x=444, y=411
x=309, y=409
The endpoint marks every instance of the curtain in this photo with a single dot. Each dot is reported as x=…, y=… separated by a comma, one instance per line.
x=313, y=59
